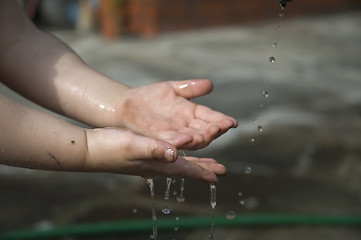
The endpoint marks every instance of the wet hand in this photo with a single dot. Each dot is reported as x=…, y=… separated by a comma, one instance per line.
x=122, y=151
x=163, y=110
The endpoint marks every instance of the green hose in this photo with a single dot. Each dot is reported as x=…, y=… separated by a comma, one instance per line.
x=167, y=224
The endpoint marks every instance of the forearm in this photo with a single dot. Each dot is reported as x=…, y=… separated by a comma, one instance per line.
x=60, y=80
x=36, y=140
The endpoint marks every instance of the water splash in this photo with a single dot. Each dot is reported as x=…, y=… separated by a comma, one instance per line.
x=150, y=183
x=213, y=205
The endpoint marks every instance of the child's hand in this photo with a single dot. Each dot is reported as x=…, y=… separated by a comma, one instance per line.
x=122, y=151
x=162, y=110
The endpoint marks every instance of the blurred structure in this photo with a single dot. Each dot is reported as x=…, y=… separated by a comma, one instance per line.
x=152, y=17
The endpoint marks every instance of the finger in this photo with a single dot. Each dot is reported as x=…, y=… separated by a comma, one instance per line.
x=140, y=147
x=211, y=116
x=192, y=88
x=209, y=164
x=176, y=139
x=188, y=169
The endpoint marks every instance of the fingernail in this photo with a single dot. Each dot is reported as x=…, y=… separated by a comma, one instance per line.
x=169, y=155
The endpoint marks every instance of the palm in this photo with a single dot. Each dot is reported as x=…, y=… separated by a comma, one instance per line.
x=162, y=110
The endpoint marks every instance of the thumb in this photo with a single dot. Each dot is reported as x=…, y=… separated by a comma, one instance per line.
x=150, y=148
x=192, y=88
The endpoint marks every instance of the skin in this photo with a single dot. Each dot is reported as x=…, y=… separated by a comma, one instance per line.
x=146, y=121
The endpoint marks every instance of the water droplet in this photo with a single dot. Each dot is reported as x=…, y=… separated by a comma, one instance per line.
x=231, y=215
x=252, y=140
x=166, y=210
x=282, y=5
x=166, y=195
x=261, y=106
x=272, y=59
x=242, y=201
x=281, y=14
x=151, y=236
x=265, y=94
x=255, y=121
x=279, y=27
x=275, y=44
x=135, y=210
x=176, y=229
x=180, y=199
x=175, y=192
x=240, y=194
x=260, y=128
x=213, y=196
x=248, y=170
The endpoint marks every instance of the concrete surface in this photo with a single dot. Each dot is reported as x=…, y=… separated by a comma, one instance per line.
x=306, y=160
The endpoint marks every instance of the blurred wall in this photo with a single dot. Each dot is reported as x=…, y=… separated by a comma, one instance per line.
x=150, y=17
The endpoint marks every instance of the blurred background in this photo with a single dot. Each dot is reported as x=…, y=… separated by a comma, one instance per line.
x=292, y=79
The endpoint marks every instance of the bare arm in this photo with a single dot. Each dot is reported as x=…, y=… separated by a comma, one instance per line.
x=48, y=72
x=45, y=70
x=37, y=140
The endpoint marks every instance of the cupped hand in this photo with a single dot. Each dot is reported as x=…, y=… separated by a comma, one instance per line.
x=163, y=110
x=122, y=151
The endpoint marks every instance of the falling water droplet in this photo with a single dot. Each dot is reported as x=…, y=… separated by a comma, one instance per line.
x=248, y=170
x=260, y=128
x=240, y=194
x=252, y=140
x=272, y=59
x=177, y=218
x=166, y=210
x=242, y=201
x=134, y=210
x=150, y=182
x=275, y=44
x=231, y=215
x=279, y=27
x=282, y=6
x=180, y=199
x=265, y=94
x=166, y=195
x=176, y=229
x=213, y=205
x=281, y=15
x=213, y=196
